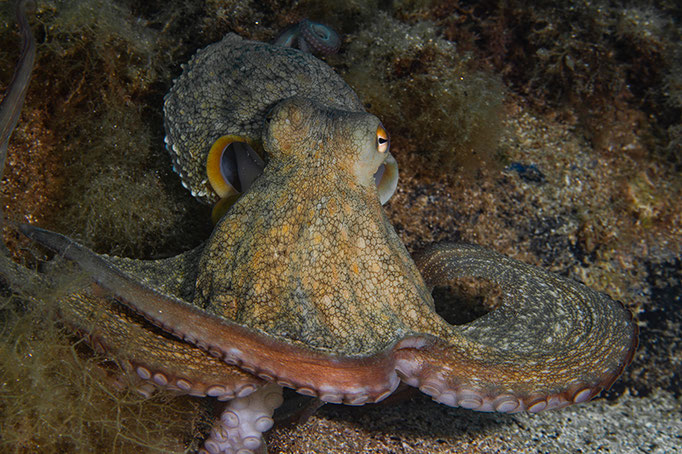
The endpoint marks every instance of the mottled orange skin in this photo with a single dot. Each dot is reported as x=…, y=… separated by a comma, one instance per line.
x=308, y=253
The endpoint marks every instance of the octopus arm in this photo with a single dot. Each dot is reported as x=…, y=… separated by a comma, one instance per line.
x=332, y=378
x=161, y=360
x=552, y=342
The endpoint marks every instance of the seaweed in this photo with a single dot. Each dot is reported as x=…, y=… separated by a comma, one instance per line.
x=595, y=59
x=57, y=395
x=106, y=75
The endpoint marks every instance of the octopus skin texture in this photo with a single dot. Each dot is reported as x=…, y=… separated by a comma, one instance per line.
x=305, y=284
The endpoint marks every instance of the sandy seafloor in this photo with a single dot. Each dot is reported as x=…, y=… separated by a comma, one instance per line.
x=603, y=208
x=629, y=425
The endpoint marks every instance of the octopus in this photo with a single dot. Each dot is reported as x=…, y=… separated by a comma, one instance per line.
x=304, y=283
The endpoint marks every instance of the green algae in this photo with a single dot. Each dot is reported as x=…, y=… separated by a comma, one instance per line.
x=57, y=396
x=93, y=114
x=106, y=73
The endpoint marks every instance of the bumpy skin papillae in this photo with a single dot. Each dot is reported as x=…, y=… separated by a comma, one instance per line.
x=228, y=87
x=309, y=254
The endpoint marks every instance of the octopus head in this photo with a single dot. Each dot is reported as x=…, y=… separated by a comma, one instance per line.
x=313, y=135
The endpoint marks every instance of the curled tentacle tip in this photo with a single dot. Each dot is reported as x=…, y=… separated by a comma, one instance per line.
x=310, y=36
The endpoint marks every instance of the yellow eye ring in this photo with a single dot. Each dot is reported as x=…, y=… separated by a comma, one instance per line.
x=220, y=184
x=225, y=177
x=383, y=141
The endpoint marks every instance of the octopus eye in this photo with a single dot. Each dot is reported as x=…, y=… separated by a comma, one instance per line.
x=383, y=141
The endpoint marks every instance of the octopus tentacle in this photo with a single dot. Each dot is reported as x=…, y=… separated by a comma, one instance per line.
x=219, y=83
x=243, y=421
x=161, y=360
x=551, y=343
x=318, y=38
x=582, y=339
x=332, y=378
x=310, y=36
x=287, y=37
